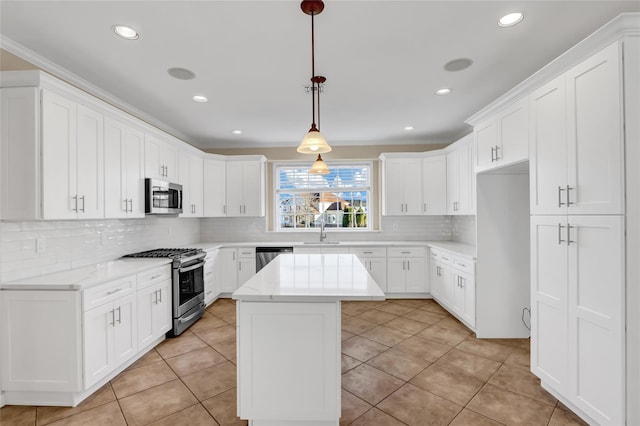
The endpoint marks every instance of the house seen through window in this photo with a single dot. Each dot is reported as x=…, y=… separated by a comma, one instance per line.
x=340, y=199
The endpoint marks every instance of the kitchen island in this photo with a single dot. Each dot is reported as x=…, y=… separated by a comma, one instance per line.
x=288, y=325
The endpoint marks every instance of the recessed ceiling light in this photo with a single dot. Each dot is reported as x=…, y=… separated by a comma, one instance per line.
x=237, y=132
x=181, y=73
x=443, y=91
x=408, y=128
x=458, y=64
x=125, y=32
x=200, y=98
x=510, y=19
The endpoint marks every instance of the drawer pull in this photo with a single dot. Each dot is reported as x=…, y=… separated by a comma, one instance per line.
x=155, y=276
x=405, y=252
x=367, y=252
x=114, y=291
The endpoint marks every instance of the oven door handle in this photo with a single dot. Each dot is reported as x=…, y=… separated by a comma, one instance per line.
x=189, y=318
x=191, y=268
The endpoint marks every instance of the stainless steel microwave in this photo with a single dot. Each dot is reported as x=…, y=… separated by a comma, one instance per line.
x=162, y=197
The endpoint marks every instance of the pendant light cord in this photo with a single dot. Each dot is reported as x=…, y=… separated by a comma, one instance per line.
x=313, y=73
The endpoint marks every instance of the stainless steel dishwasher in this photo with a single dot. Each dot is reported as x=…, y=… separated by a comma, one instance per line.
x=265, y=255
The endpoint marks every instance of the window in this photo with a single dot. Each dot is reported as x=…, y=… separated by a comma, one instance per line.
x=341, y=198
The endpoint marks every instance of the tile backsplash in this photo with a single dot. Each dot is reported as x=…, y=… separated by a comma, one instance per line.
x=463, y=229
x=37, y=248
x=393, y=228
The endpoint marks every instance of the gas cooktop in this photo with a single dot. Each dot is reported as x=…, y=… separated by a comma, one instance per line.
x=171, y=253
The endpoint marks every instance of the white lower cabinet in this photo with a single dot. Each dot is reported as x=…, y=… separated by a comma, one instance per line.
x=453, y=284
x=58, y=346
x=577, y=306
x=375, y=262
x=234, y=267
x=406, y=269
x=212, y=283
x=154, y=307
x=110, y=338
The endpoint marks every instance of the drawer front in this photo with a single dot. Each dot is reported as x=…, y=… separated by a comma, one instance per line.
x=99, y=295
x=147, y=278
x=406, y=251
x=247, y=252
x=446, y=258
x=435, y=254
x=369, y=251
x=464, y=265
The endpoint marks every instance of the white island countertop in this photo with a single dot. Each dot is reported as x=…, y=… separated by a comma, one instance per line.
x=311, y=278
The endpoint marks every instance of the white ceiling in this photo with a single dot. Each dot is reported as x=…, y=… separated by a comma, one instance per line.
x=383, y=61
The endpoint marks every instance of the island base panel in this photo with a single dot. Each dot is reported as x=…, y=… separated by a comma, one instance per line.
x=289, y=363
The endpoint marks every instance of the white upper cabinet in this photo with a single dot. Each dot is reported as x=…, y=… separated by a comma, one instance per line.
x=576, y=139
x=402, y=186
x=547, y=167
x=595, y=146
x=161, y=159
x=192, y=181
x=124, y=170
x=434, y=188
x=503, y=139
x=245, y=188
x=72, y=159
x=460, y=177
x=215, y=201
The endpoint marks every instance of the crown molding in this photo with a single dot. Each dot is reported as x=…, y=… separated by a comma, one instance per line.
x=625, y=24
x=62, y=73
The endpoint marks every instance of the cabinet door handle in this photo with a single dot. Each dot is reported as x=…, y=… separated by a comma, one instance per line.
x=401, y=207
x=160, y=295
x=224, y=209
x=492, y=158
x=569, y=228
x=155, y=297
x=560, y=240
x=126, y=205
x=131, y=208
x=82, y=198
x=560, y=203
x=403, y=265
x=408, y=265
x=424, y=207
x=240, y=208
x=119, y=315
x=569, y=195
x=113, y=318
x=497, y=148
x=239, y=266
x=75, y=199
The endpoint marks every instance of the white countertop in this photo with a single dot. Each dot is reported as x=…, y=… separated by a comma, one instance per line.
x=311, y=278
x=465, y=250
x=87, y=276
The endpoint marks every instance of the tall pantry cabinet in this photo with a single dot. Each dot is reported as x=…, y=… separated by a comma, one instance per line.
x=577, y=192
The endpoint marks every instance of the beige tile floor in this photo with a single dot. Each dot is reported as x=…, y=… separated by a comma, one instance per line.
x=404, y=362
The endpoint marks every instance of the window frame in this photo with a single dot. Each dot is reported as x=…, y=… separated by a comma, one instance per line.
x=278, y=165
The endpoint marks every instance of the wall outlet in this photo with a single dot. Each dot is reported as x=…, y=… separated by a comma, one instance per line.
x=41, y=245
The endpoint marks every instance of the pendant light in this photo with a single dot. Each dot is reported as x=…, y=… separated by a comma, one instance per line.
x=319, y=167
x=314, y=142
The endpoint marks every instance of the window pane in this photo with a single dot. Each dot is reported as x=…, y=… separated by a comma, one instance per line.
x=339, y=199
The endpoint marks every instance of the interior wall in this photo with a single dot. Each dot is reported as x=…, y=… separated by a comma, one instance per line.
x=11, y=62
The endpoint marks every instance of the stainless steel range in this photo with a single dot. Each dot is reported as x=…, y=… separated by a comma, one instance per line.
x=188, y=284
